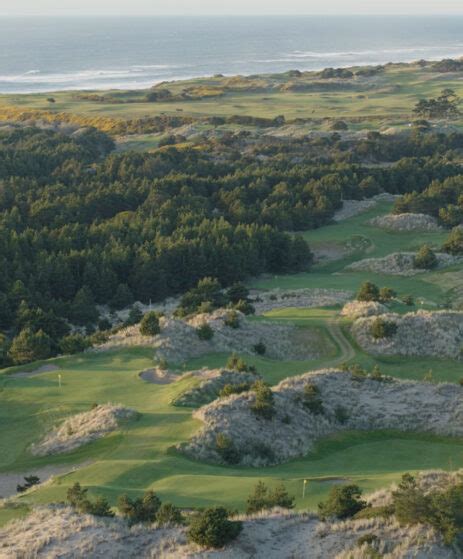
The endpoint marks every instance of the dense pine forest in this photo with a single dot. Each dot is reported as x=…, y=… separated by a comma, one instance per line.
x=82, y=225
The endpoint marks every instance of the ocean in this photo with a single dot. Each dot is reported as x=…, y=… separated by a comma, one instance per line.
x=50, y=54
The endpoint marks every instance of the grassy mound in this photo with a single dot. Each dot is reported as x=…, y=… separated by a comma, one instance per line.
x=308, y=408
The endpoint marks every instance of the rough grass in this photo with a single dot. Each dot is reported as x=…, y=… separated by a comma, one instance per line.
x=389, y=97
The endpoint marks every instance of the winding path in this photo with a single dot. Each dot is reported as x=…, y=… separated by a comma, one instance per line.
x=347, y=351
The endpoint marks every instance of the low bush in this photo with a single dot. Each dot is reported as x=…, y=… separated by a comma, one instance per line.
x=245, y=307
x=78, y=499
x=369, y=539
x=74, y=343
x=141, y=509
x=226, y=449
x=263, y=498
x=205, y=332
x=230, y=389
x=344, y=501
x=260, y=348
x=149, y=326
x=382, y=328
x=30, y=481
x=169, y=514
x=425, y=259
x=311, y=399
x=342, y=415
x=232, y=320
x=368, y=292
x=263, y=405
x=235, y=363
x=212, y=528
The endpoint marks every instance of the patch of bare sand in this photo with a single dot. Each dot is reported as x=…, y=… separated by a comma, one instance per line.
x=158, y=376
x=9, y=480
x=43, y=369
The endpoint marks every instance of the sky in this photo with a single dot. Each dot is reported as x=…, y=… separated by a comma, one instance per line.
x=221, y=7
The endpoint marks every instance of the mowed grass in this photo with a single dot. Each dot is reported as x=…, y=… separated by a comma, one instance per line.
x=142, y=455
x=375, y=243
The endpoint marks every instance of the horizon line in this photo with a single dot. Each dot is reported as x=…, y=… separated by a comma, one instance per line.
x=276, y=14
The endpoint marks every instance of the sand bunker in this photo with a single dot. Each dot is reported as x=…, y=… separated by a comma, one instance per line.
x=9, y=481
x=158, y=376
x=357, y=309
x=351, y=208
x=44, y=369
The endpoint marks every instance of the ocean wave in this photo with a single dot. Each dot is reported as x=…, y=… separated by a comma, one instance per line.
x=297, y=54
x=37, y=77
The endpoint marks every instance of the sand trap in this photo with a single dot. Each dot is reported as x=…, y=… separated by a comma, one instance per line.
x=158, y=376
x=9, y=481
x=42, y=369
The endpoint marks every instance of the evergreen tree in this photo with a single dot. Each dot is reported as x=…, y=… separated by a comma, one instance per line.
x=30, y=346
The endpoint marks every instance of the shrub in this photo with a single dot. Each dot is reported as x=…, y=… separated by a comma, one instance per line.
x=237, y=292
x=440, y=509
x=232, y=320
x=343, y=502
x=245, y=307
x=264, y=405
x=212, y=528
x=339, y=125
x=260, y=348
x=30, y=481
x=104, y=324
x=135, y=316
x=235, y=363
x=230, y=389
x=382, y=328
x=139, y=510
x=425, y=258
x=30, y=346
x=408, y=300
x=226, y=449
x=205, y=332
x=78, y=499
x=208, y=290
x=386, y=294
x=368, y=292
x=169, y=514
x=369, y=539
x=341, y=415
x=263, y=498
x=311, y=399
x=149, y=326
x=454, y=243
x=75, y=343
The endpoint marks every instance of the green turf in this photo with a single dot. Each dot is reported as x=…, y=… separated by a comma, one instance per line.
x=142, y=456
